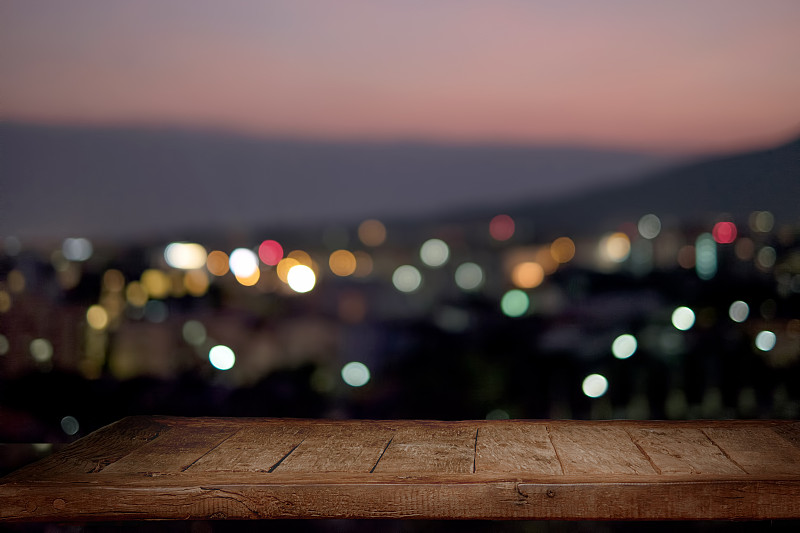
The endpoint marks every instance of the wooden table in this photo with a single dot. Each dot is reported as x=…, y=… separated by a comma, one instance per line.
x=201, y=468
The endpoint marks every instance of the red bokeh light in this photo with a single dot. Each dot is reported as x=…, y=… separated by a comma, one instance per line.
x=501, y=227
x=270, y=252
x=724, y=232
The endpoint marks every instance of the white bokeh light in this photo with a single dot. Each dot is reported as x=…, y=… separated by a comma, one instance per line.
x=595, y=385
x=221, y=357
x=434, y=253
x=185, y=255
x=243, y=262
x=624, y=346
x=739, y=311
x=301, y=278
x=469, y=276
x=406, y=278
x=683, y=318
x=766, y=340
x=355, y=374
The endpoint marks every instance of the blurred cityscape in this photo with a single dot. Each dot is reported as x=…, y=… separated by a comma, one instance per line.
x=482, y=315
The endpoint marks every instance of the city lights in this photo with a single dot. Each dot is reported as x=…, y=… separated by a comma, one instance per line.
x=434, y=253
x=70, y=425
x=501, y=227
x=41, y=350
x=469, y=276
x=221, y=357
x=372, y=232
x=218, y=263
x=97, y=317
x=185, y=255
x=406, y=278
x=243, y=263
x=615, y=247
x=194, y=332
x=595, y=385
x=706, y=256
x=156, y=283
x=738, y=311
x=355, y=374
x=527, y=275
x=342, y=263
x=683, y=318
x=624, y=346
x=563, y=249
x=301, y=278
x=766, y=340
x=724, y=232
x=514, y=303
x=77, y=249
x=4, y=344
x=270, y=252
x=649, y=226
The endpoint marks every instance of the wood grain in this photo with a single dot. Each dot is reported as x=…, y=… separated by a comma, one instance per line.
x=217, y=468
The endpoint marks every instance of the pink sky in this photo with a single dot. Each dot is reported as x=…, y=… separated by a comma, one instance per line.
x=687, y=76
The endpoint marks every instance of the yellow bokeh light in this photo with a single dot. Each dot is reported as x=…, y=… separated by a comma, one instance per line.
x=156, y=283
x=5, y=302
x=616, y=247
x=252, y=279
x=16, y=281
x=97, y=317
x=545, y=260
x=217, y=263
x=372, y=232
x=342, y=263
x=196, y=282
x=364, y=264
x=563, y=249
x=301, y=257
x=136, y=294
x=283, y=267
x=113, y=280
x=527, y=275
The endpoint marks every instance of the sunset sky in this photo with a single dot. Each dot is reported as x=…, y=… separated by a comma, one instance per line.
x=679, y=76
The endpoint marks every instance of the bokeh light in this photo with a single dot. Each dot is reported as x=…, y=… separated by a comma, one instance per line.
x=5, y=301
x=683, y=318
x=624, y=346
x=766, y=340
x=284, y=265
x=615, y=247
x=595, y=385
x=501, y=227
x=243, y=263
x=4, y=344
x=724, y=232
x=364, y=264
x=739, y=311
x=156, y=283
x=342, y=263
x=434, y=252
x=270, y=252
x=97, y=317
x=221, y=357
x=252, y=279
x=77, y=249
x=514, y=303
x=218, y=263
x=406, y=278
x=70, y=425
x=705, y=256
x=185, y=255
x=649, y=226
x=469, y=276
x=355, y=374
x=766, y=257
x=563, y=249
x=527, y=275
x=372, y=232
x=136, y=294
x=301, y=278
x=113, y=280
x=762, y=221
x=41, y=350
x=194, y=332
x=196, y=282
x=16, y=281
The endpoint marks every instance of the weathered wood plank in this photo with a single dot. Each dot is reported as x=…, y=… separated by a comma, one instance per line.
x=338, y=448
x=97, y=450
x=757, y=451
x=493, y=500
x=682, y=451
x=253, y=449
x=172, y=452
x=597, y=449
x=430, y=448
x=510, y=448
x=173, y=468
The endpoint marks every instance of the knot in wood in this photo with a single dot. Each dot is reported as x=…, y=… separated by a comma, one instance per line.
x=59, y=504
x=551, y=493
